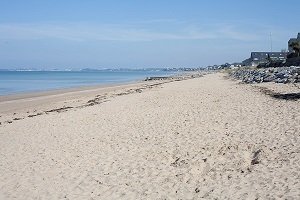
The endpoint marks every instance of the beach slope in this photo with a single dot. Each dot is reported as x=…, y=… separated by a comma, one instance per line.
x=208, y=137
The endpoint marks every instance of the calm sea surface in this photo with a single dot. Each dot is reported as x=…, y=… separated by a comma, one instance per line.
x=13, y=82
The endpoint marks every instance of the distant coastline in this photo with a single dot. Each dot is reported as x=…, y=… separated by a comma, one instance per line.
x=168, y=69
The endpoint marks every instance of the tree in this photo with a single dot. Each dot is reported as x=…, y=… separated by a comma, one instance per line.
x=296, y=47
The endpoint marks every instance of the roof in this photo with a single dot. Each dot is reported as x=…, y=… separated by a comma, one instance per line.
x=264, y=55
x=295, y=39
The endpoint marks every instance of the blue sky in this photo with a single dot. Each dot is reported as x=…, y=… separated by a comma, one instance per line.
x=140, y=33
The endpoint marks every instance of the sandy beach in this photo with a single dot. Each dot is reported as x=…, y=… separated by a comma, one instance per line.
x=203, y=138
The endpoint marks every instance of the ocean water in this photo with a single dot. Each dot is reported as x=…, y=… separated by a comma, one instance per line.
x=14, y=82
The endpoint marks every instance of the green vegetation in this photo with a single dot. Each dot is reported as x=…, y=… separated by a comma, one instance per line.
x=296, y=47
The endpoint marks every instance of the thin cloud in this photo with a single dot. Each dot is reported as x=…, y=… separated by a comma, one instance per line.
x=230, y=31
x=115, y=32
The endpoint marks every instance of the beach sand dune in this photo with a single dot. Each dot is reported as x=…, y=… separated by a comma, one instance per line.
x=207, y=137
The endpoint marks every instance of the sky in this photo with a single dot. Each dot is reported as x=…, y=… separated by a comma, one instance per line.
x=48, y=34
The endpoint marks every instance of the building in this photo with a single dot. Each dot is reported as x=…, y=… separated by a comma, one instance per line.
x=257, y=58
x=294, y=40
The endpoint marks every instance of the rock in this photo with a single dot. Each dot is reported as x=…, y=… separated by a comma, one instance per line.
x=281, y=80
x=278, y=75
x=269, y=78
x=255, y=159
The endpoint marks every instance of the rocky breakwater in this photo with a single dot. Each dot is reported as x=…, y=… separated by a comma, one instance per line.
x=178, y=77
x=278, y=75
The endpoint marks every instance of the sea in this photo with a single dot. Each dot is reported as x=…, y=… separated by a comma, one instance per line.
x=16, y=82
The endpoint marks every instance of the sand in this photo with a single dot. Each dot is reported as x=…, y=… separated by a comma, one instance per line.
x=208, y=137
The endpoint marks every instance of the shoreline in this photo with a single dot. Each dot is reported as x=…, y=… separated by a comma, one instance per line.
x=75, y=92
x=58, y=91
x=21, y=106
x=39, y=92
x=31, y=94
x=16, y=102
